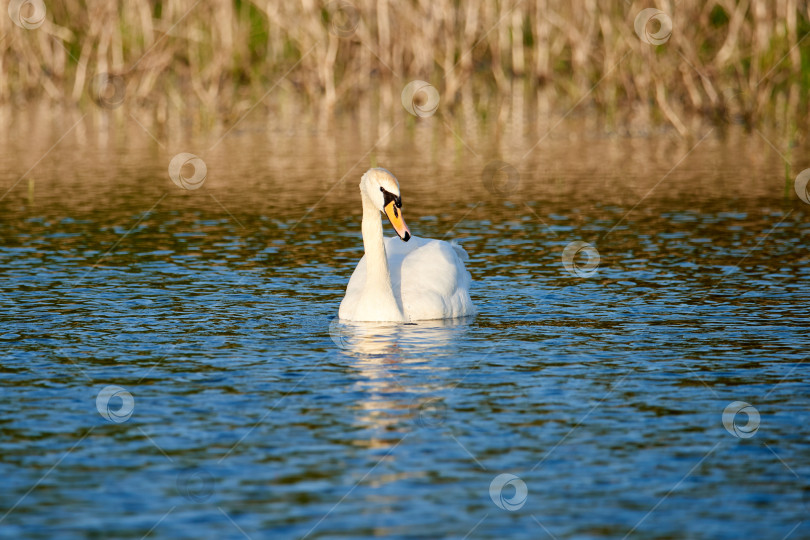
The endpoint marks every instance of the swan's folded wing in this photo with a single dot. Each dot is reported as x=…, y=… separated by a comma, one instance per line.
x=430, y=278
x=462, y=254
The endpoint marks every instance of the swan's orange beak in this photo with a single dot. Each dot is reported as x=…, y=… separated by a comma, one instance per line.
x=394, y=214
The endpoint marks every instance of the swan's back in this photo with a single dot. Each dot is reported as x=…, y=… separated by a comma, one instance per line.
x=429, y=278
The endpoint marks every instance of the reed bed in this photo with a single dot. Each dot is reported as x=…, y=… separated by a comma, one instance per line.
x=733, y=61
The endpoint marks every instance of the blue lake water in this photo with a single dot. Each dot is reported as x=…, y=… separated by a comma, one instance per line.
x=240, y=407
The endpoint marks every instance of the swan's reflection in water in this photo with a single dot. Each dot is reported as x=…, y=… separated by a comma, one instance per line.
x=395, y=363
x=398, y=340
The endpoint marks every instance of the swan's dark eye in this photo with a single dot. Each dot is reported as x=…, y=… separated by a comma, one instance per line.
x=381, y=188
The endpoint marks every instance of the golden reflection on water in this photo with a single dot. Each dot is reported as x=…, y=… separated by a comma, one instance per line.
x=283, y=167
x=283, y=193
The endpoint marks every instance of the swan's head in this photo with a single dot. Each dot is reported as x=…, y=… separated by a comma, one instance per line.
x=382, y=189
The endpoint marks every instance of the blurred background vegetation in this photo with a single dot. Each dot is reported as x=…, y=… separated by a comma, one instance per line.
x=727, y=61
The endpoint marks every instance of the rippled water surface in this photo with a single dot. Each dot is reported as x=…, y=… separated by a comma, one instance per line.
x=257, y=414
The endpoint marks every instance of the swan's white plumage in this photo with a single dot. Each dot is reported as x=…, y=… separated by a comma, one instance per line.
x=412, y=280
x=428, y=279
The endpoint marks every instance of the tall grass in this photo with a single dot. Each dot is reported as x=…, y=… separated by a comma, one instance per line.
x=739, y=61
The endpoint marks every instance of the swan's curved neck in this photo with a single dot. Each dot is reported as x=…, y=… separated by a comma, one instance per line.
x=377, y=291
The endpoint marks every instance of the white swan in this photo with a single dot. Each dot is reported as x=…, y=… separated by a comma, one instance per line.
x=413, y=280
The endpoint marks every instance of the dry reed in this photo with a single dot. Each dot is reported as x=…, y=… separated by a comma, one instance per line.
x=738, y=61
